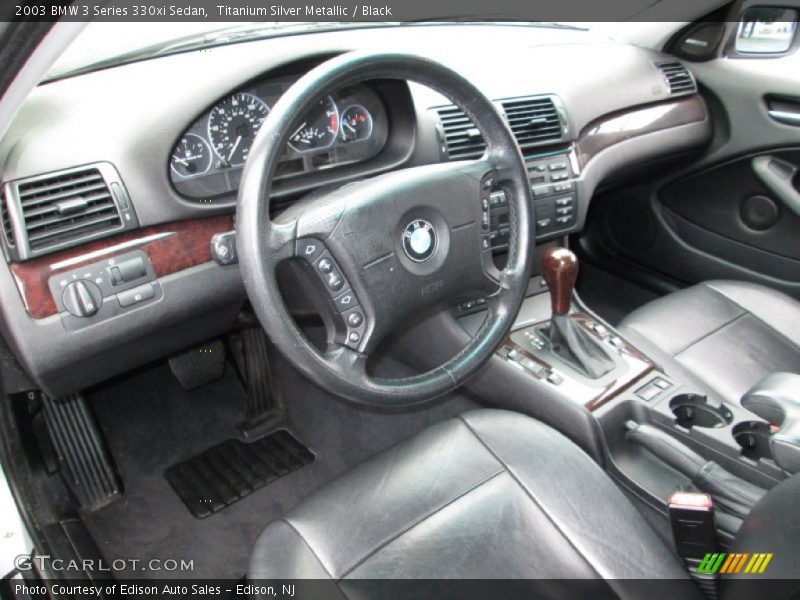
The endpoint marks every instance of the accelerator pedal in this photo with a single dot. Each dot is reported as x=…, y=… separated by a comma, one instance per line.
x=263, y=410
x=234, y=469
x=83, y=458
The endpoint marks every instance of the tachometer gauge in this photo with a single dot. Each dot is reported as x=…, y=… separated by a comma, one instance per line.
x=319, y=129
x=191, y=157
x=356, y=123
x=233, y=124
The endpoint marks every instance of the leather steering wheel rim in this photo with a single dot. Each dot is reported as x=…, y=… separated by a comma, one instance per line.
x=448, y=192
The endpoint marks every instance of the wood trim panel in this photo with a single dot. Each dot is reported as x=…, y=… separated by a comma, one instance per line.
x=640, y=120
x=171, y=247
x=592, y=397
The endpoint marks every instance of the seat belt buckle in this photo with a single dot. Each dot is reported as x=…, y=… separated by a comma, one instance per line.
x=691, y=515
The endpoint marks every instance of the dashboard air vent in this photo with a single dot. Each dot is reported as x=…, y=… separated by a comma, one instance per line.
x=678, y=77
x=7, y=230
x=60, y=208
x=533, y=121
x=65, y=208
x=462, y=138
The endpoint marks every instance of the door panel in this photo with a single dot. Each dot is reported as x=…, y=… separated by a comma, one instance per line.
x=718, y=218
x=731, y=201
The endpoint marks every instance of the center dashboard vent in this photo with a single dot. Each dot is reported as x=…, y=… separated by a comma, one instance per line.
x=64, y=208
x=534, y=121
x=462, y=138
x=678, y=78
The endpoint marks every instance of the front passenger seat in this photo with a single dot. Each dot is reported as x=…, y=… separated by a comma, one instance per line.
x=508, y=506
x=721, y=336
x=488, y=495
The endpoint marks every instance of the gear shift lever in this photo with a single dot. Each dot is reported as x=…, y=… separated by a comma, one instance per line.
x=568, y=340
x=560, y=270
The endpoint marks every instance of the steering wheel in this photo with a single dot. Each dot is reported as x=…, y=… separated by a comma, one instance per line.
x=383, y=248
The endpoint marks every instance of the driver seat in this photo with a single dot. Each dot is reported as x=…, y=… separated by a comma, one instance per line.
x=488, y=495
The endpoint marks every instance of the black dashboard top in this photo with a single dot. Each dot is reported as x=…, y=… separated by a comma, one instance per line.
x=173, y=131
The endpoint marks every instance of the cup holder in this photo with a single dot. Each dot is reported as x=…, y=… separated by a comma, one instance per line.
x=693, y=410
x=753, y=437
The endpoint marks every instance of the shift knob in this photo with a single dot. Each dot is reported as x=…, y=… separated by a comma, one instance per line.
x=560, y=269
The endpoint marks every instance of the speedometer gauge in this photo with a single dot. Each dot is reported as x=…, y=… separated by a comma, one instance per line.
x=233, y=124
x=191, y=156
x=319, y=128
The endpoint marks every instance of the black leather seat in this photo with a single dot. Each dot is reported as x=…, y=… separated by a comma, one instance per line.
x=721, y=336
x=489, y=495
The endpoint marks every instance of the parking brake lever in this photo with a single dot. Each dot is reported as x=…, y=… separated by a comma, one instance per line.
x=735, y=494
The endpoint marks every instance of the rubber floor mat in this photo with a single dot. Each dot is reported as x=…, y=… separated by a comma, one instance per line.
x=234, y=469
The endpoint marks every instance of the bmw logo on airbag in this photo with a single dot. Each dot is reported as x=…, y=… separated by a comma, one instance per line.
x=419, y=240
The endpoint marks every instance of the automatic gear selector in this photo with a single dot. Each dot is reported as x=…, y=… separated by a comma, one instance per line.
x=568, y=340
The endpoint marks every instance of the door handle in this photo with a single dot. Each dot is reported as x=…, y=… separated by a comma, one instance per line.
x=786, y=117
x=784, y=110
x=778, y=176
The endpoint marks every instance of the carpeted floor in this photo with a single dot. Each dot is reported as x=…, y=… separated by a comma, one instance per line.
x=151, y=423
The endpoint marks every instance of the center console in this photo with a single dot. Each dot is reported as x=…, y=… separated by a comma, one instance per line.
x=652, y=432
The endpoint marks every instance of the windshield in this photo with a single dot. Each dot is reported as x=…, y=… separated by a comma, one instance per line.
x=104, y=44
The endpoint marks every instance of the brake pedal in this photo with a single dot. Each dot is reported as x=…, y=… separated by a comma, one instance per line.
x=199, y=365
x=83, y=458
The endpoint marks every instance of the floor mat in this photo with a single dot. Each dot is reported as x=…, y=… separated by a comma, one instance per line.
x=234, y=469
x=151, y=423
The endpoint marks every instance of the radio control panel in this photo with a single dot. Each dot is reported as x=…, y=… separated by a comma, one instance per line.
x=555, y=201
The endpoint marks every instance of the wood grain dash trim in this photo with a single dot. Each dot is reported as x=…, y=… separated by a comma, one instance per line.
x=171, y=247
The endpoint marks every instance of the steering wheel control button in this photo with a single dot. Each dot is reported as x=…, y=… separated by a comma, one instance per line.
x=355, y=319
x=346, y=301
x=308, y=249
x=355, y=328
x=223, y=248
x=82, y=298
x=325, y=266
x=136, y=295
x=419, y=240
x=334, y=280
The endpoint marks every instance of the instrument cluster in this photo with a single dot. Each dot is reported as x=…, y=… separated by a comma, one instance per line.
x=346, y=127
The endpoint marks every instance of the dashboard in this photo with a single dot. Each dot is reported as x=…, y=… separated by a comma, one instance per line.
x=347, y=127
x=119, y=186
